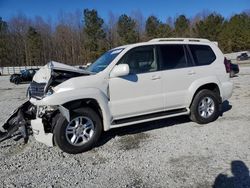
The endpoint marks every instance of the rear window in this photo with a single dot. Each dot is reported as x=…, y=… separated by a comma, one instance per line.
x=202, y=54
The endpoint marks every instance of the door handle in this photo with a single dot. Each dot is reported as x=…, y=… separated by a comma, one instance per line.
x=191, y=72
x=155, y=77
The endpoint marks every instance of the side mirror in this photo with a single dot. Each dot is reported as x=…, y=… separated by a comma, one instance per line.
x=120, y=70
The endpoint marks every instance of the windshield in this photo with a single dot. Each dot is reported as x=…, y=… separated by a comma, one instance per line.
x=102, y=62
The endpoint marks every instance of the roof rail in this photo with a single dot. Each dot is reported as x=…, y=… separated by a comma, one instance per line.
x=179, y=39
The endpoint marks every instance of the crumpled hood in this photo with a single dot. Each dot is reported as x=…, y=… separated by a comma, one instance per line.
x=51, y=75
x=43, y=75
x=93, y=81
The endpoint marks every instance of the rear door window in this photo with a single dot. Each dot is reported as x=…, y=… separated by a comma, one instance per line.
x=172, y=56
x=202, y=54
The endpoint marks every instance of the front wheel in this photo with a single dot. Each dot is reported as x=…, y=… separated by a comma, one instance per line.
x=80, y=134
x=17, y=80
x=205, y=107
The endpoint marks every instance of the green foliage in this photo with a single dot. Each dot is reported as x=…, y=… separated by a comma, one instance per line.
x=3, y=26
x=4, y=49
x=93, y=28
x=35, y=42
x=152, y=26
x=182, y=28
x=209, y=28
x=34, y=47
x=164, y=30
x=155, y=29
x=126, y=29
x=235, y=35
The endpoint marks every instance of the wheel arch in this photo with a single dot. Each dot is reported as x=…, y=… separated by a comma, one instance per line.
x=86, y=102
x=100, y=107
x=213, y=86
x=93, y=97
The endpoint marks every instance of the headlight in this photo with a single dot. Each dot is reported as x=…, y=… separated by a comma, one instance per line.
x=50, y=92
x=41, y=110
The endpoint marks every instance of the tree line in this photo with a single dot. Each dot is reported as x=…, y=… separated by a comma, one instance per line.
x=80, y=37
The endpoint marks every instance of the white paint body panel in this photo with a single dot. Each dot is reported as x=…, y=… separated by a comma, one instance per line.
x=133, y=95
x=136, y=94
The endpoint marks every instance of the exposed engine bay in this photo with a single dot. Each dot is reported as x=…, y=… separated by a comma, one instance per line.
x=52, y=74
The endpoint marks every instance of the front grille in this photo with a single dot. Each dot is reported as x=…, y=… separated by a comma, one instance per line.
x=36, y=90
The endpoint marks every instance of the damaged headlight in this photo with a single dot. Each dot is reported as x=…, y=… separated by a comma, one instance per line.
x=41, y=110
x=49, y=92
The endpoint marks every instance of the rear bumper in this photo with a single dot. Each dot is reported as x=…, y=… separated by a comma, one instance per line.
x=227, y=90
x=39, y=133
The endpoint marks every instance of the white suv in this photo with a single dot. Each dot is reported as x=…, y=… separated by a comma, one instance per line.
x=130, y=84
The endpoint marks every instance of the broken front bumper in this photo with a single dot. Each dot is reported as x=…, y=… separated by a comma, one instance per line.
x=18, y=124
x=23, y=122
x=39, y=132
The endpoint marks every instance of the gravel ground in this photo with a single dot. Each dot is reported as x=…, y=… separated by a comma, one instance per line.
x=168, y=153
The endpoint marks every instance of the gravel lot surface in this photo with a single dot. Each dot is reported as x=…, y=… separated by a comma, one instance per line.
x=168, y=153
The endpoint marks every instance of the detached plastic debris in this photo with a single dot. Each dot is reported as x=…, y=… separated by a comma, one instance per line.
x=18, y=124
x=3, y=136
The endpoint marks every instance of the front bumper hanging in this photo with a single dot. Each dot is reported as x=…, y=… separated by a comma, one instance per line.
x=18, y=124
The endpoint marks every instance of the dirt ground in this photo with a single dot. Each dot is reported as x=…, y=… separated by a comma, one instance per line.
x=168, y=153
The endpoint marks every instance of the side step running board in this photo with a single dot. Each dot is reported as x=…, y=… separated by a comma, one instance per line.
x=149, y=116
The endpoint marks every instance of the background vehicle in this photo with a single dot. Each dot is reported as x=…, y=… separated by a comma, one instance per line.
x=24, y=76
x=130, y=84
x=243, y=57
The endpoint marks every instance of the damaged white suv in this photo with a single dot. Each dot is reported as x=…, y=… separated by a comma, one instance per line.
x=162, y=78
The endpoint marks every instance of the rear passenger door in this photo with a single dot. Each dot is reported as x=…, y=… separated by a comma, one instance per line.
x=177, y=74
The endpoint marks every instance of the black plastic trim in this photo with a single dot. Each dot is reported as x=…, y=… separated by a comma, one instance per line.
x=149, y=116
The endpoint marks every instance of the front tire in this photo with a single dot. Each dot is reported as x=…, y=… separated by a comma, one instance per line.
x=80, y=134
x=17, y=80
x=205, y=107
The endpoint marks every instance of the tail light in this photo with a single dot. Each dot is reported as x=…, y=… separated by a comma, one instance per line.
x=227, y=65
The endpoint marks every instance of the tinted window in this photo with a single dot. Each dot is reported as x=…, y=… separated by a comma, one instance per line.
x=172, y=56
x=140, y=60
x=202, y=54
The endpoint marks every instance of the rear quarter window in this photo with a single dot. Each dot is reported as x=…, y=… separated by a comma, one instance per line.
x=202, y=54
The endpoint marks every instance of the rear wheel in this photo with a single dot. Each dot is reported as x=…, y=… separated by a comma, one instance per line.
x=80, y=134
x=205, y=107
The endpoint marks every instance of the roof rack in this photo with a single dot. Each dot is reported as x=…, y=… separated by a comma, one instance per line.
x=179, y=39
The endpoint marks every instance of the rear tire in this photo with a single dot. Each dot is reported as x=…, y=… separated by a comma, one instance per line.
x=80, y=134
x=205, y=107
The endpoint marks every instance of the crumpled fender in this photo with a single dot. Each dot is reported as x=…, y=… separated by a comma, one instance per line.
x=76, y=94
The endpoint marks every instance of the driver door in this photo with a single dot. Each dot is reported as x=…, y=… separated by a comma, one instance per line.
x=140, y=92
